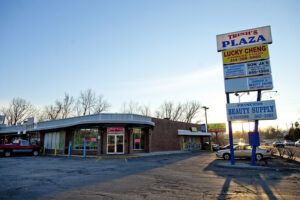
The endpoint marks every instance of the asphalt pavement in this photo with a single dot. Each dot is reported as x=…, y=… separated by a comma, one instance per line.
x=181, y=175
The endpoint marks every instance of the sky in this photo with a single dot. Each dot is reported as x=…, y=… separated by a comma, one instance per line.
x=147, y=51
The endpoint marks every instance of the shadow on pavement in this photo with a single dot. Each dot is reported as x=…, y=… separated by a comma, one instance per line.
x=266, y=179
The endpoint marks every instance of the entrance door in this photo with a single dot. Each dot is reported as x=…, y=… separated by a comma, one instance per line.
x=115, y=143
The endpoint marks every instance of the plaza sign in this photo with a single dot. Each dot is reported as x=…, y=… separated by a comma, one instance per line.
x=250, y=37
x=245, y=54
x=249, y=84
x=247, y=69
x=260, y=110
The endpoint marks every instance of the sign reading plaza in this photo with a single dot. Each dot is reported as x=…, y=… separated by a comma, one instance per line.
x=250, y=37
x=265, y=110
x=249, y=84
x=245, y=54
x=247, y=69
x=217, y=127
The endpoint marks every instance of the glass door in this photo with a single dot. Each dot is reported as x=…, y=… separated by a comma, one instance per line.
x=111, y=144
x=115, y=143
x=120, y=143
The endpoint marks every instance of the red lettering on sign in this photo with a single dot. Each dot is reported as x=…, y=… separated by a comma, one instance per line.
x=137, y=140
x=235, y=35
x=115, y=130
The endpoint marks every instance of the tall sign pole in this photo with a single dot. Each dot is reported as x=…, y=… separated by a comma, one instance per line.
x=230, y=134
x=247, y=68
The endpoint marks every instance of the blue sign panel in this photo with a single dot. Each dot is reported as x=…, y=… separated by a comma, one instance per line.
x=254, y=138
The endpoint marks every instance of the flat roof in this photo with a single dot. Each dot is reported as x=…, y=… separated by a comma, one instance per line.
x=102, y=118
x=193, y=133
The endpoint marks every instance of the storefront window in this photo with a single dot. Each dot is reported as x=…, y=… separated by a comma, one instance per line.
x=138, y=139
x=55, y=139
x=35, y=138
x=90, y=135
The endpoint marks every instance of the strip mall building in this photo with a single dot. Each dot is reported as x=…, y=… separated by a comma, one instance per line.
x=109, y=134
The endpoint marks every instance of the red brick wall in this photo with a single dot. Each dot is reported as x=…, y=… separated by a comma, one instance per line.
x=165, y=137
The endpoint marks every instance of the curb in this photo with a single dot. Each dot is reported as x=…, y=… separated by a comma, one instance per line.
x=243, y=166
x=96, y=157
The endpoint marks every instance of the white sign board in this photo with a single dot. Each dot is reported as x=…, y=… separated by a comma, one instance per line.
x=250, y=37
x=247, y=69
x=249, y=84
x=259, y=110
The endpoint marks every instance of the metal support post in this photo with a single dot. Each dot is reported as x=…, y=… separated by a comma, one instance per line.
x=69, y=150
x=230, y=134
x=55, y=150
x=84, y=149
x=255, y=130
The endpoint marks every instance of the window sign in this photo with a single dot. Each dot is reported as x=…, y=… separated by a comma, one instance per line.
x=138, y=139
x=85, y=134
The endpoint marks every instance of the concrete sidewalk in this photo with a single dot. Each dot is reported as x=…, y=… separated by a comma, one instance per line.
x=124, y=156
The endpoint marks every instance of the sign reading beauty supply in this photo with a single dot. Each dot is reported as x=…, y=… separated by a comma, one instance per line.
x=249, y=84
x=250, y=37
x=217, y=127
x=247, y=69
x=259, y=110
x=245, y=54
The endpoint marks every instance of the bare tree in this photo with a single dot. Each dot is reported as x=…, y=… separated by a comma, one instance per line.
x=41, y=115
x=167, y=109
x=177, y=112
x=54, y=111
x=101, y=105
x=67, y=106
x=171, y=111
x=86, y=102
x=158, y=114
x=191, y=109
x=131, y=108
x=145, y=110
x=18, y=111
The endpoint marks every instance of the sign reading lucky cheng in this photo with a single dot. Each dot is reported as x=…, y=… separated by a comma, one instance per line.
x=250, y=37
x=245, y=54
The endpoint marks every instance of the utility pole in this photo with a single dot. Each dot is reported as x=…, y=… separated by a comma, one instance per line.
x=205, y=108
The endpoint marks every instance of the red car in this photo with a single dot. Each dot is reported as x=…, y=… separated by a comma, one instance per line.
x=22, y=147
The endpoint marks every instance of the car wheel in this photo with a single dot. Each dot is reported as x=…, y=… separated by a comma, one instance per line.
x=258, y=156
x=7, y=154
x=226, y=156
x=35, y=152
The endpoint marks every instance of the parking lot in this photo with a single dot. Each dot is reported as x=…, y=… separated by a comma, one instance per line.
x=195, y=175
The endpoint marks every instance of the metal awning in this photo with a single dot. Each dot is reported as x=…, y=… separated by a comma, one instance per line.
x=103, y=118
x=193, y=133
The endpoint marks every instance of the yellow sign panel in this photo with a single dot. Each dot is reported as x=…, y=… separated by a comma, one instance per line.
x=219, y=127
x=245, y=54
